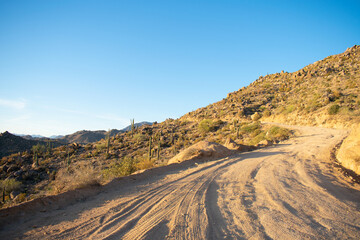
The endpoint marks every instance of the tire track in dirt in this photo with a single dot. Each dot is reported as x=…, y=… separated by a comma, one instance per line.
x=288, y=191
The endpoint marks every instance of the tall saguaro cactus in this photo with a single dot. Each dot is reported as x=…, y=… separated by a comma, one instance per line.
x=132, y=123
x=150, y=148
x=108, y=143
x=159, y=146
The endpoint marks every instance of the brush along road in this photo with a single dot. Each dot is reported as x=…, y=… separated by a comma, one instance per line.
x=287, y=191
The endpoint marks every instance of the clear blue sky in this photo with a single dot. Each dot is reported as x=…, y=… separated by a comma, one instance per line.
x=68, y=65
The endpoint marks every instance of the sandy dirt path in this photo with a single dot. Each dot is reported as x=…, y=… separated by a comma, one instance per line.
x=287, y=191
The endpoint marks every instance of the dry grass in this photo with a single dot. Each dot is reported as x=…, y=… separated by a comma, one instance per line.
x=76, y=176
x=145, y=163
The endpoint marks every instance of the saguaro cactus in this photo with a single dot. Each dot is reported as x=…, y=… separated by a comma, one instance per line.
x=108, y=143
x=150, y=148
x=159, y=147
x=132, y=123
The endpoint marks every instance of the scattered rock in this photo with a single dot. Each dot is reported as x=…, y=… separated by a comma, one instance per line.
x=13, y=194
x=232, y=145
x=265, y=143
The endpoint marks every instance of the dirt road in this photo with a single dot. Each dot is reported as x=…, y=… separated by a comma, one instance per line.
x=287, y=191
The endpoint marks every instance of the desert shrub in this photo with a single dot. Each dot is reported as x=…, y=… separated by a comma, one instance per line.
x=77, y=176
x=289, y=109
x=260, y=136
x=144, y=163
x=184, y=123
x=9, y=185
x=101, y=146
x=38, y=149
x=206, y=126
x=122, y=167
x=139, y=137
x=266, y=113
x=276, y=133
x=333, y=109
x=251, y=127
x=255, y=133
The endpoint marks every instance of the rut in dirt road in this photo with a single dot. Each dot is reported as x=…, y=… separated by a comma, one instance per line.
x=287, y=191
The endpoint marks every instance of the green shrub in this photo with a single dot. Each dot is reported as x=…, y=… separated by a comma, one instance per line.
x=101, y=146
x=38, y=149
x=251, y=127
x=206, y=126
x=333, y=109
x=276, y=133
x=260, y=136
x=139, y=137
x=123, y=167
x=9, y=185
x=289, y=109
x=144, y=163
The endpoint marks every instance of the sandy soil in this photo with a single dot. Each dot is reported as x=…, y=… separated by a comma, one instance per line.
x=287, y=191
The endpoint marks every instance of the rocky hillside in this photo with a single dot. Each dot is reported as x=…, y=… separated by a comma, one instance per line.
x=85, y=136
x=10, y=144
x=325, y=93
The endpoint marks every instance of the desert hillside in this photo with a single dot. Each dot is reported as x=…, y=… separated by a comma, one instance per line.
x=10, y=144
x=325, y=93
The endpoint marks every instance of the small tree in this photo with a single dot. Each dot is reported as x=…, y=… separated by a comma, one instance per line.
x=9, y=185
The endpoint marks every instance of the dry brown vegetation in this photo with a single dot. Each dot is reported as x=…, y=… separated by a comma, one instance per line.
x=49, y=171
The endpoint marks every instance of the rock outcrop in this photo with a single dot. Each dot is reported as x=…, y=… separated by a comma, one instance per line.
x=200, y=150
x=349, y=152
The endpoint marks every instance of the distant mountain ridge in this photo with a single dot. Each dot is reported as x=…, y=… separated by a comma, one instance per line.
x=10, y=143
x=14, y=143
x=87, y=136
x=128, y=128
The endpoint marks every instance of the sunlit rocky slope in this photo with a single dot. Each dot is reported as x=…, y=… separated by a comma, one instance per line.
x=325, y=93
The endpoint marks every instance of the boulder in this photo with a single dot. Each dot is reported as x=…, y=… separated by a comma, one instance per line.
x=232, y=145
x=202, y=150
x=265, y=143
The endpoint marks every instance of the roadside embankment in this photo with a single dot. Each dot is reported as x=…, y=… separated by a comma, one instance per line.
x=349, y=152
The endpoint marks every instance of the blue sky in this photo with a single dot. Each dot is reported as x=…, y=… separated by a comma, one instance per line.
x=68, y=65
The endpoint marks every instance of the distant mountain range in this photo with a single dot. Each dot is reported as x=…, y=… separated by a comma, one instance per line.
x=10, y=143
x=128, y=128
x=35, y=137
x=14, y=143
x=86, y=136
